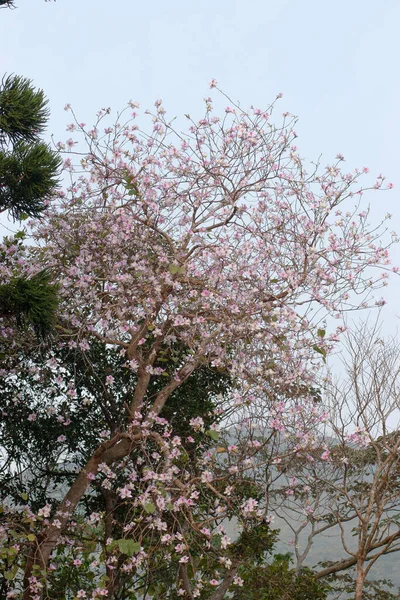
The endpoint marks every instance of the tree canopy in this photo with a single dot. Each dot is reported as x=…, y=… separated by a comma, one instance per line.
x=195, y=274
x=29, y=174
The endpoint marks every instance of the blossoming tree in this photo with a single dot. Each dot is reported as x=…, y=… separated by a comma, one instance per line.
x=217, y=241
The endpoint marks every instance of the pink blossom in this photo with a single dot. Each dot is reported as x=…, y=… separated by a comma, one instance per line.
x=207, y=476
x=45, y=511
x=125, y=492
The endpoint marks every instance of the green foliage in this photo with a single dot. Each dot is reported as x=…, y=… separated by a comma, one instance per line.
x=344, y=585
x=127, y=546
x=33, y=443
x=28, y=176
x=28, y=167
x=24, y=111
x=279, y=581
x=253, y=544
x=321, y=351
x=48, y=466
x=33, y=301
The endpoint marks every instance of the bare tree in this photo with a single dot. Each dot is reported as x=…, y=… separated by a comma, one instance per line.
x=353, y=493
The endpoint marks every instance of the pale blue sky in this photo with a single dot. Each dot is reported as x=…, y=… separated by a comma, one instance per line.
x=337, y=64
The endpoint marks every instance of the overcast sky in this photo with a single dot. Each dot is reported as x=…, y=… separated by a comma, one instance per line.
x=337, y=64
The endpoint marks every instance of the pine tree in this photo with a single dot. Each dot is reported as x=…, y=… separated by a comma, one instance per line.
x=28, y=167
x=29, y=171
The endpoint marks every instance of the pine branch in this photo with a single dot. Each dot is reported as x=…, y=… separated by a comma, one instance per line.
x=28, y=176
x=7, y=4
x=23, y=110
x=31, y=301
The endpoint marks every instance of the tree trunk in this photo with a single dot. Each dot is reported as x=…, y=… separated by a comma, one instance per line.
x=220, y=592
x=109, y=498
x=109, y=452
x=116, y=448
x=359, y=582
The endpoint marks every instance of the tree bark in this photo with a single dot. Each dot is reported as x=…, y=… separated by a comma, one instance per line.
x=220, y=592
x=359, y=581
x=109, y=498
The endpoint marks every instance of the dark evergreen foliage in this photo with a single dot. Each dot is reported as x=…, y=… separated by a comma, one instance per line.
x=28, y=167
x=32, y=445
x=23, y=110
x=11, y=3
x=29, y=172
x=33, y=301
x=276, y=579
x=27, y=177
x=7, y=4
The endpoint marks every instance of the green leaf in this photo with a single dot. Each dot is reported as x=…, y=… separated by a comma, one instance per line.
x=31, y=537
x=131, y=186
x=9, y=575
x=24, y=496
x=89, y=548
x=128, y=547
x=321, y=351
x=149, y=507
x=321, y=333
x=173, y=269
x=214, y=435
x=123, y=546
